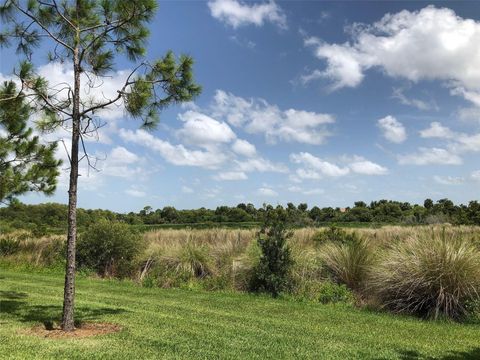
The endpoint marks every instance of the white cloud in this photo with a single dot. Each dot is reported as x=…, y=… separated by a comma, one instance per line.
x=261, y=165
x=121, y=163
x=187, y=190
x=174, y=154
x=316, y=166
x=366, y=167
x=429, y=44
x=231, y=176
x=303, y=191
x=392, y=129
x=466, y=142
x=201, y=130
x=264, y=191
x=437, y=130
x=135, y=192
x=244, y=148
x=237, y=13
x=448, y=180
x=121, y=155
x=94, y=91
x=427, y=156
x=398, y=93
x=102, y=89
x=257, y=116
x=475, y=175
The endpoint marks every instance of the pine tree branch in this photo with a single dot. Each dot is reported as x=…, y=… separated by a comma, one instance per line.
x=59, y=41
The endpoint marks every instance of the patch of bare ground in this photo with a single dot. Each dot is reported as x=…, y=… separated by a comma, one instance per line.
x=85, y=330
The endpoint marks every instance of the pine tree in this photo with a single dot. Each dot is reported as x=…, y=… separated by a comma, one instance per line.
x=25, y=163
x=90, y=35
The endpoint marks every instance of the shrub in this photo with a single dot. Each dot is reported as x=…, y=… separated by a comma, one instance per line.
x=9, y=245
x=348, y=263
x=336, y=235
x=432, y=276
x=109, y=248
x=330, y=292
x=272, y=271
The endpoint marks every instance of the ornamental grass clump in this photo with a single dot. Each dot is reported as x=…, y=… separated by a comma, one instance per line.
x=433, y=276
x=348, y=263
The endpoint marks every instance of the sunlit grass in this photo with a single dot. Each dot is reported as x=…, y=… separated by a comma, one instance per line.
x=161, y=323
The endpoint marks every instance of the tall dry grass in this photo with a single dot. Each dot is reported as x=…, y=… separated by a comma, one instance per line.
x=410, y=273
x=433, y=275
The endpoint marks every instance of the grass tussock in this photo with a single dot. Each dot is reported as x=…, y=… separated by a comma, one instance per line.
x=432, y=276
x=349, y=263
x=432, y=271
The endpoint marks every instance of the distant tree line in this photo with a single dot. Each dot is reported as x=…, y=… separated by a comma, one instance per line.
x=53, y=216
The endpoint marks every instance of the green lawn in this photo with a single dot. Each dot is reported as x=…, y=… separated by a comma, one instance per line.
x=189, y=324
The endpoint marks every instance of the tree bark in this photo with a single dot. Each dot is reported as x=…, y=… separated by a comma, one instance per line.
x=68, y=323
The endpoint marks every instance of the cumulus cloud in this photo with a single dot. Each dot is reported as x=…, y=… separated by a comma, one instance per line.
x=314, y=168
x=60, y=77
x=174, y=154
x=122, y=163
x=257, y=116
x=428, y=156
x=260, y=164
x=201, y=130
x=448, y=180
x=244, y=148
x=392, y=129
x=366, y=167
x=230, y=176
x=475, y=175
x=437, y=130
x=237, y=13
x=429, y=44
x=135, y=193
x=265, y=191
x=118, y=162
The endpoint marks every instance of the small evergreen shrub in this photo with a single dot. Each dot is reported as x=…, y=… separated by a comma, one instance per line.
x=109, y=248
x=330, y=292
x=271, y=274
x=336, y=235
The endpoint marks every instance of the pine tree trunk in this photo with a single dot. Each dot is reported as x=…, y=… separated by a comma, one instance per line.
x=69, y=290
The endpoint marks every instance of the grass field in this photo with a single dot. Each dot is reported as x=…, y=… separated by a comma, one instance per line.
x=161, y=323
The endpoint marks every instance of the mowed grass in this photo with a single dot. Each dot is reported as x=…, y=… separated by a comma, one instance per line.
x=207, y=325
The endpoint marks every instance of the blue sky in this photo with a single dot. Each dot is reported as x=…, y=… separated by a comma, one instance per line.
x=319, y=102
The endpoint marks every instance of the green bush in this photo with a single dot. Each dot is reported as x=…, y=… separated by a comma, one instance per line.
x=9, y=245
x=336, y=235
x=433, y=276
x=109, y=248
x=348, y=263
x=330, y=292
x=271, y=274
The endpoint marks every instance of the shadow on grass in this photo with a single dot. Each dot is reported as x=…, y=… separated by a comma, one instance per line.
x=473, y=354
x=12, y=295
x=12, y=303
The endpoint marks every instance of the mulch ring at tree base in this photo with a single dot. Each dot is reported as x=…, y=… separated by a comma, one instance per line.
x=85, y=330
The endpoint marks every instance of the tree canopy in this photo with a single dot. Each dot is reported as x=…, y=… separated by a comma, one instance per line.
x=25, y=163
